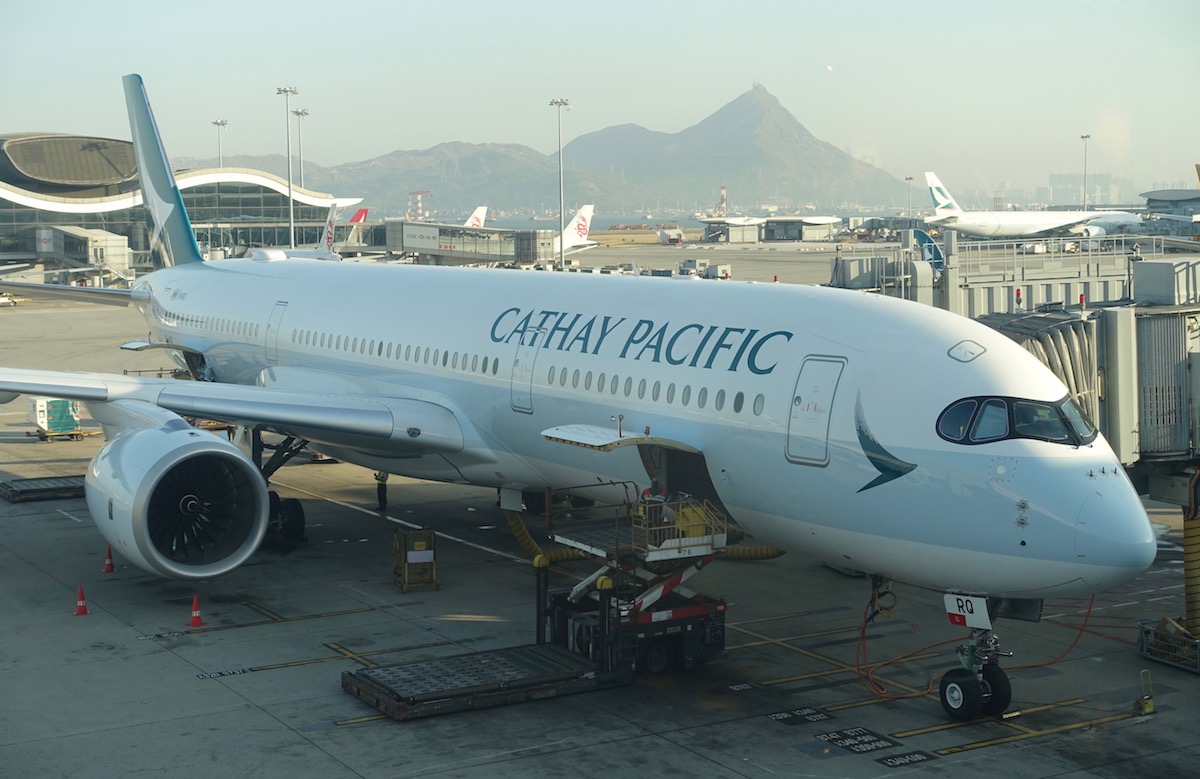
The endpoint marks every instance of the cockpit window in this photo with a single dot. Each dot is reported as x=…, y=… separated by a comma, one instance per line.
x=956, y=419
x=1079, y=422
x=984, y=420
x=1039, y=420
x=991, y=422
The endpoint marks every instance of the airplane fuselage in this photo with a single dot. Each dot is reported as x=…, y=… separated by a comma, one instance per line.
x=815, y=411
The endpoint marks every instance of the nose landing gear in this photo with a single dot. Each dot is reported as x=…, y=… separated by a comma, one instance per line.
x=980, y=686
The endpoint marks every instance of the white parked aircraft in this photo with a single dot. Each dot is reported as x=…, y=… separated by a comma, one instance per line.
x=574, y=236
x=324, y=250
x=948, y=215
x=875, y=433
x=477, y=218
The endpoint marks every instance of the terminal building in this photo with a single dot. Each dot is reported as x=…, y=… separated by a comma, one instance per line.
x=71, y=205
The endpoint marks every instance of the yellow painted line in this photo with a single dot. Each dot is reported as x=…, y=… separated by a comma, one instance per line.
x=770, y=619
x=1004, y=719
x=358, y=657
x=275, y=619
x=360, y=720
x=268, y=614
x=795, y=637
x=835, y=671
x=1032, y=734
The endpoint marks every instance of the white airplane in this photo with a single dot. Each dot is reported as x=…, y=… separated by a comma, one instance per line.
x=948, y=215
x=875, y=433
x=477, y=218
x=324, y=250
x=574, y=236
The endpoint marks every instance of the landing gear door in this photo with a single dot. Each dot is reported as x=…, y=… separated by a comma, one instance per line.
x=522, y=372
x=808, y=420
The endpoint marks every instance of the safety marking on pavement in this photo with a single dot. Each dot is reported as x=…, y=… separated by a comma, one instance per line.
x=1032, y=734
x=275, y=619
x=1006, y=719
x=340, y=653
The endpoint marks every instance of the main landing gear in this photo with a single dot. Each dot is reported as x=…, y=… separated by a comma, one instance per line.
x=980, y=686
x=286, y=521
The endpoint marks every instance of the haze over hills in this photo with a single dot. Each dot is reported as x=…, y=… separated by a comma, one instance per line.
x=753, y=145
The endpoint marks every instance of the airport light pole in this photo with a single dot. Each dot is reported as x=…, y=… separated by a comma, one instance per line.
x=560, y=103
x=300, y=113
x=287, y=93
x=1084, y=138
x=221, y=125
x=908, y=213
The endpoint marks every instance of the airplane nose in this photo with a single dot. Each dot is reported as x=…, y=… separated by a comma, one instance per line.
x=1113, y=538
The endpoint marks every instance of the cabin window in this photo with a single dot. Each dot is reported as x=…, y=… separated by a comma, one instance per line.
x=475, y=364
x=654, y=392
x=759, y=402
x=702, y=397
x=612, y=390
x=686, y=395
x=641, y=389
x=671, y=392
x=628, y=386
x=719, y=400
x=600, y=383
x=562, y=378
x=445, y=358
x=587, y=380
x=550, y=375
x=575, y=379
x=737, y=403
x=485, y=363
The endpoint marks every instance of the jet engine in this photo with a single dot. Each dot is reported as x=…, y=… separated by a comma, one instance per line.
x=1090, y=231
x=177, y=501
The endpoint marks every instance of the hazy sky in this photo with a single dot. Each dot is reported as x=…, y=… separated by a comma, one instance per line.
x=982, y=93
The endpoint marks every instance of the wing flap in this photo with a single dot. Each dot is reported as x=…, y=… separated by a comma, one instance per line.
x=606, y=439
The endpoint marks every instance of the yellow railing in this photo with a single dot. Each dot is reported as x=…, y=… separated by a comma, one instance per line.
x=675, y=524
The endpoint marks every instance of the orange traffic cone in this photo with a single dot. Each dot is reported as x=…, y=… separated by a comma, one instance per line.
x=81, y=609
x=196, y=621
x=108, y=564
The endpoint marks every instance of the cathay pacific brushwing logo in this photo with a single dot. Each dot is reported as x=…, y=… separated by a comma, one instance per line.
x=890, y=466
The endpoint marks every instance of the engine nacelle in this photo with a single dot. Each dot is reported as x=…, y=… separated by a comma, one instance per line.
x=1090, y=231
x=177, y=501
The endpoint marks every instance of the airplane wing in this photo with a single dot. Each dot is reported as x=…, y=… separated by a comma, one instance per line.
x=112, y=297
x=416, y=426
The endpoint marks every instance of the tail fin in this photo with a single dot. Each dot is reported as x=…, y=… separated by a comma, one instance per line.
x=326, y=242
x=576, y=233
x=171, y=235
x=359, y=217
x=1198, y=171
x=477, y=217
x=930, y=251
x=943, y=203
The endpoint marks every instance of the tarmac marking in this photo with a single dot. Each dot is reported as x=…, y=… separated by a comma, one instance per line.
x=797, y=637
x=1034, y=734
x=69, y=515
x=341, y=653
x=1004, y=719
x=275, y=619
x=409, y=525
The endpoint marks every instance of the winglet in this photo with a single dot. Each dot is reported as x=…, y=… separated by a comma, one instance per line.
x=943, y=203
x=171, y=235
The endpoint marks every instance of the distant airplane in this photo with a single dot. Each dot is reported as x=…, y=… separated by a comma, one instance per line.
x=324, y=250
x=574, y=236
x=1023, y=224
x=876, y=433
x=930, y=251
x=477, y=218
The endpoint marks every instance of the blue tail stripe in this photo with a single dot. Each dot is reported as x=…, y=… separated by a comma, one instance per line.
x=171, y=233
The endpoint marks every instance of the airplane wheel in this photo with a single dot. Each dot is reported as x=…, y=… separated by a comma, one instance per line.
x=657, y=657
x=997, y=690
x=292, y=528
x=961, y=694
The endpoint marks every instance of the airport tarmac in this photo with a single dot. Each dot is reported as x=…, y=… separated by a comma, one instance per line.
x=132, y=690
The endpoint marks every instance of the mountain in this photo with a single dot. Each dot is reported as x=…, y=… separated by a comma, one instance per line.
x=752, y=145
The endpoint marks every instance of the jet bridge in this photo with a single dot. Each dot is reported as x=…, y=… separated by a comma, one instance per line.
x=1134, y=365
